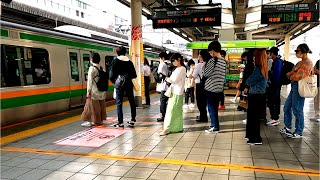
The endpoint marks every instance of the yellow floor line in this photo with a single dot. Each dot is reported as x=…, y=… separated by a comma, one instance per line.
x=171, y=161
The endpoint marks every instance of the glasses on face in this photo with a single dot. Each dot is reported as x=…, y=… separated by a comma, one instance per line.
x=297, y=51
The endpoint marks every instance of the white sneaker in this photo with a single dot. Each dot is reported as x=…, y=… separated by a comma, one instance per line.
x=273, y=122
x=185, y=106
x=244, y=121
x=192, y=105
x=234, y=100
x=87, y=124
x=211, y=130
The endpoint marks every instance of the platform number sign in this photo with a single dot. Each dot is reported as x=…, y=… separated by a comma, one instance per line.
x=290, y=13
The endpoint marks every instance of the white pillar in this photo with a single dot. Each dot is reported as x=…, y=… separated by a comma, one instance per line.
x=249, y=36
x=287, y=47
x=136, y=49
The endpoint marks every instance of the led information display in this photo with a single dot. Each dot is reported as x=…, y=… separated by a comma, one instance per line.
x=290, y=13
x=186, y=18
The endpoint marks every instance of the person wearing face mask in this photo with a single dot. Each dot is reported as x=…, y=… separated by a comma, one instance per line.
x=173, y=121
x=95, y=109
x=214, y=74
x=197, y=74
x=294, y=101
x=162, y=87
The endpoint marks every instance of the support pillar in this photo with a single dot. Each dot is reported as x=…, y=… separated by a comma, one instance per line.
x=195, y=53
x=136, y=49
x=287, y=47
x=249, y=36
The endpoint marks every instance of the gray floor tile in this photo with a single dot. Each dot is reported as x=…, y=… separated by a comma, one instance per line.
x=285, y=156
x=207, y=176
x=137, y=172
x=169, y=167
x=15, y=161
x=125, y=163
x=161, y=174
x=66, y=158
x=200, y=151
x=14, y=172
x=241, y=161
x=102, y=177
x=262, y=155
x=85, y=159
x=147, y=165
x=241, y=178
x=268, y=175
x=59, y=175
x=217, y=171
x=219, y=159
x=241, y=173
x=294, y=177
x=33, y=163
x=105, y=161
x=4, y=168
x=192, y=169
x=289, y=164
x=116, y=171
x=34, y=174
x=265, y=162
x=82, y=176
x=241, y=154
x=47, y=156
x=53, y=165
x=188, y=176
x=73, y=166
x=311, y=166
x=220, y=152
x=94, y=168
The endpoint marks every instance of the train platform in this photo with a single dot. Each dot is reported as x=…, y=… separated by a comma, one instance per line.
x=57, y=147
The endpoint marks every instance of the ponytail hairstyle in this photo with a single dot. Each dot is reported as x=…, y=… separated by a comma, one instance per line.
x=304, y=48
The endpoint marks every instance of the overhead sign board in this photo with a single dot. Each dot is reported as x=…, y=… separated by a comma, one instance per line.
x=187, y=17
x=290, y=13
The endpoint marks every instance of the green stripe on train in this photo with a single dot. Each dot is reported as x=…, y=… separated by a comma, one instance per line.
x=42, y=98
x=46, y=39
x=4, y=33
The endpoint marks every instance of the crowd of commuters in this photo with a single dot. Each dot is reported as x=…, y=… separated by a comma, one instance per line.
x=260, y=80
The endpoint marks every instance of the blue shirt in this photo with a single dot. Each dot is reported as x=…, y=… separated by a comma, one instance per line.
x=276, y=72
x=257, y=82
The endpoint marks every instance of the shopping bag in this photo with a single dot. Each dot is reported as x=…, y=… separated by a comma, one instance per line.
x=88, y=113
x=168, y=93
x=307, y=87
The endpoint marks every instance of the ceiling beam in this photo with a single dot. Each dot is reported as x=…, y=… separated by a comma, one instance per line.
x=268, y=28
x=275, y=36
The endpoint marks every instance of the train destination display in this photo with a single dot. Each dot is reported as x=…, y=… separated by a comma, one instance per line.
x=186, y=18
x=290, y=13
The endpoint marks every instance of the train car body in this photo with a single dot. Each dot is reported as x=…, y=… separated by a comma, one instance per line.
x=44, y=72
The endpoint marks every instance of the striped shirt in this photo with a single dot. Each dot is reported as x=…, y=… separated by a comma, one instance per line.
x=214, y=73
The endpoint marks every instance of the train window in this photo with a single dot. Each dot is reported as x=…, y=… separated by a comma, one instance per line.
x=108, y=61
x=23, y=66
x=86, y=65
x=74, y=66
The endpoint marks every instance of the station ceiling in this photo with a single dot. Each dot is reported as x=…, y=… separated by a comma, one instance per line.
x=241, y=15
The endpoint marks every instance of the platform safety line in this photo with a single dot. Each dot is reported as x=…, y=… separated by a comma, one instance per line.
x=264, y=169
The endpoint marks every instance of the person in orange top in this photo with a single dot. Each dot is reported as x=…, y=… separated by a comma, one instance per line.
x=294, y=101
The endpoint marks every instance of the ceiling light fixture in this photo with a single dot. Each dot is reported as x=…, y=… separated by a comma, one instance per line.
x=306, y=27
x=176, y=30
x=184, y=35
x=297, y=33
x=146, y=11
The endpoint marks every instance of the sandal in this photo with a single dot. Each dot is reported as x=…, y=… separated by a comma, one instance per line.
x=164, y=133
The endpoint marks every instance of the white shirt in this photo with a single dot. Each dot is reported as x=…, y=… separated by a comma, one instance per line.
x=270, y=61
x=177, y=80
x=146, y=70
x=163, y=69
x=241, y=75
x=198, y=71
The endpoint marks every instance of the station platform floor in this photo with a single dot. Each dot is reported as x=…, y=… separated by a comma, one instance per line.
x=45, y=149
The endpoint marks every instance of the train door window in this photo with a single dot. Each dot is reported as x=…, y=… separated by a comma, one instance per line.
x=74, y=66
x=108, y=61
x=22, y=66
x=86, y=65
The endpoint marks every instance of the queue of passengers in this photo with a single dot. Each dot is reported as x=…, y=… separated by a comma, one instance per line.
x=259, y=81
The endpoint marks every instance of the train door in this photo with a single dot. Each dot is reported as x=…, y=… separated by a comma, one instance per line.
x=76, y=78
x=85, y=64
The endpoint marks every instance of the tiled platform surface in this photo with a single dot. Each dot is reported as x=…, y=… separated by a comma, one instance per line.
x=228, y=147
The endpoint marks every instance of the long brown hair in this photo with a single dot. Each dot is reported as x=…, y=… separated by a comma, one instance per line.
x=260, y=61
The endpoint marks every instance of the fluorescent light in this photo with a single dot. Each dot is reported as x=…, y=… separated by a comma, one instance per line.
x=146, y=11
x=176, y=30
x=190, y=39
x=306, y=27
x=297, y=33
x=184, y=35
x=290, y=37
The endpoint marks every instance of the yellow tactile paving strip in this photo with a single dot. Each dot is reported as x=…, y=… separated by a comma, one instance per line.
x=171, y=161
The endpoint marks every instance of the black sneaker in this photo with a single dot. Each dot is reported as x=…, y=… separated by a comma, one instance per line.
x=131, y=123
x=117, y=125
x=295, y=136
x=286, y=131
x=160, y=120
x=254, y=143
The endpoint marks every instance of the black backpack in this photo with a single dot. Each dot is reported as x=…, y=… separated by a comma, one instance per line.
x=156, y=75
x=286, y=67
x=103, y=81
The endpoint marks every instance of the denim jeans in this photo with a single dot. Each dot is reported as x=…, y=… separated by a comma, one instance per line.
x=128, y=88
x=213, y=104
x=294, y=103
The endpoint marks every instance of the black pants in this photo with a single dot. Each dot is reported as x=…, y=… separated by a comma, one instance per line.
x=128, y=89
x=255, y=113
x=146, y=89
x=222, y=99
x=274, y=102
x=201, y=102
x=163, y=103
x=189, y=93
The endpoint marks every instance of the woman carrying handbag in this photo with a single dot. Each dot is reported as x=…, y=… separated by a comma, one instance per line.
x=295, y=102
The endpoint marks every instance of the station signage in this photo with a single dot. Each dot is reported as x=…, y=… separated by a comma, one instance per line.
x=194, y=17
x=290, y=13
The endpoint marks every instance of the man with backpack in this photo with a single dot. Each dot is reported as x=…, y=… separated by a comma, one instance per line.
x=274, y=89
x=160, y=75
